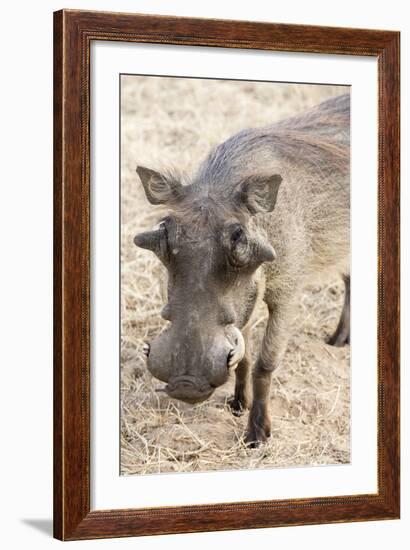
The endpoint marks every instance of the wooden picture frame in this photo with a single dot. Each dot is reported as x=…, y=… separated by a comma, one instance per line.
x=74, y=32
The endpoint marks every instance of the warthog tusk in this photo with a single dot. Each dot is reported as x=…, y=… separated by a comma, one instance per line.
x=146, y=348
x=237, y=353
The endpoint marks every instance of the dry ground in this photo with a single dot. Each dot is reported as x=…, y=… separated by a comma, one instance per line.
x=175, y=122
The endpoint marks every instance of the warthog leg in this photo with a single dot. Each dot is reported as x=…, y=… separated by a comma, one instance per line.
x=342, y=333
x=241, y=399
x=273, y=348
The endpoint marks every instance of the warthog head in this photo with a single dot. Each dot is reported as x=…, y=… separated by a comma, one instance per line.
x=211, y=254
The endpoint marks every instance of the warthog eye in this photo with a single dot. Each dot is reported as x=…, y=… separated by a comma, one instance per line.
x=243, y=250
x=237, y=234
x=237, y=245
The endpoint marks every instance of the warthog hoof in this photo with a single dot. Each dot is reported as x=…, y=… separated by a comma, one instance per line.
x=259, y=426
x=342, y=333
x=240, y=401
x=238, y=405
x=339, y=339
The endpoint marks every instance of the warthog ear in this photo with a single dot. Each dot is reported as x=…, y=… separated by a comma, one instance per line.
x=259, y=193
x=158, y=188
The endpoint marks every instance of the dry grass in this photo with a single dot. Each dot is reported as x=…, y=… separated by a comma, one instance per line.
x=175, y=122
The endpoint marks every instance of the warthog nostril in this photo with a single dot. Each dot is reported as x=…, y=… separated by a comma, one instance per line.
x=146, y=348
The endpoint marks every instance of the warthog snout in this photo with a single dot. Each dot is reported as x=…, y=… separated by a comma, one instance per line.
x=190, y=389
x=195, y=364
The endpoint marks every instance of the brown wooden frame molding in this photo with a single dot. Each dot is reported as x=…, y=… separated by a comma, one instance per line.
x=73, y=33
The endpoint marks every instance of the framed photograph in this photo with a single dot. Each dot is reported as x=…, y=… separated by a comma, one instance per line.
x=226, y=275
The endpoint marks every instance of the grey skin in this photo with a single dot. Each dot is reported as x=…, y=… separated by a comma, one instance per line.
x=267, y=211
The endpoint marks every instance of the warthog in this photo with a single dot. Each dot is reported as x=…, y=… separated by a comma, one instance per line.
x=268, y=210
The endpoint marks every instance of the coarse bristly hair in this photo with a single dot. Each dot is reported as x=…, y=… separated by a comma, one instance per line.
x=310, y=224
